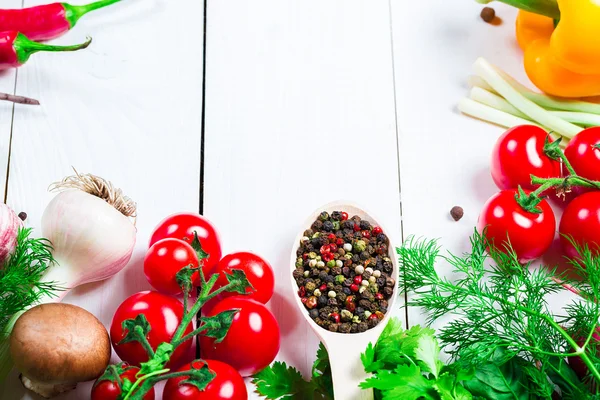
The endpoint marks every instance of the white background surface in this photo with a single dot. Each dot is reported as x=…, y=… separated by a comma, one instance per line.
x=306, y=102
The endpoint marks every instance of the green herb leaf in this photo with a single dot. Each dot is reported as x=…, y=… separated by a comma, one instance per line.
x=406, y=382
x=499, y=381
x=20, y=277
x=238, y=282
x=158, y=361
x=427, y=354
x=321, y=372
x=137, y=329
x=568, y=382
x=218, y=325
x=200, y=377
x=196, y=245
x=282, y=382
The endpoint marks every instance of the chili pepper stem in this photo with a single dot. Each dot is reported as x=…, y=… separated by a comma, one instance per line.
x=25, y=47
x=19, y=99
x=74, y=13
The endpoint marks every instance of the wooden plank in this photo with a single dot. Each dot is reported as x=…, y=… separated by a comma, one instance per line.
x=7, y=85
x=127, y=109
x=299, y=112
x=444, y=155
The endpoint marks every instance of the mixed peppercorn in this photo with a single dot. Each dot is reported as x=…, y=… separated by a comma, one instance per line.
x=343, y=272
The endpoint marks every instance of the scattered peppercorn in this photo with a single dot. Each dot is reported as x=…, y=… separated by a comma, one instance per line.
x=457, y=213
x=23, y=215
x=343, y=272
x=488, y=14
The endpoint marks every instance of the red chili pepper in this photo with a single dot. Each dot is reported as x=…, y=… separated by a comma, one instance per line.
x=47, y=21
x=16, y=48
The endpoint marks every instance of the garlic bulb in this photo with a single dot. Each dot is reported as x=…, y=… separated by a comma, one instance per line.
x=91, y=227
x=9, y=229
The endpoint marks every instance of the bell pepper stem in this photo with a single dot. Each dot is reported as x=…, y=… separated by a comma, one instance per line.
x=549, y=8
x=74, y=13
x=25, y=47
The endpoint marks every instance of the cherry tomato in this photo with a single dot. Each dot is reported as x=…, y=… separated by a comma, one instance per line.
x=581, y=223
x=584, y=157
x=530, y=234
x=107, y=388
x=226, y=385
x=252, y=341
x=164, y=314
x=518, y=154
x=164, y=260
x=258, y=271
x=182, y=226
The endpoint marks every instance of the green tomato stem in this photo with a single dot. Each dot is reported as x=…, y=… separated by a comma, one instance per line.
x=143, y=378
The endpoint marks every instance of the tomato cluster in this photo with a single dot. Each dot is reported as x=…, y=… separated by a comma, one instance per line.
x=189, y=241
x=520, y=215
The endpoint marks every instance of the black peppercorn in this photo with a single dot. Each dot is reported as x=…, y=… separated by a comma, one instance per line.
x=314, y=272
x=365, y=225
x=360, y=312
x=298, y=273
x=372, y=322
x=354, y=328
x=355, y=258
x=389, y=282
x=317, y=225
x=334, y=327
x=388, y=291
x=324, y=216
x=329, y=279
x=345, y=328
x=323, y=275
x=332, y=302
x=330, y=285
x=348, y=226
x=370, y=250
x=23, y=215
x=337, y=288
x=336, y=216
x=355, y=218
x=348, y=263
x=346, y=291
x=358, y=235
x=299, y=252
x=347, y=282
x=322, y=301
x=383, y=238
x=363, y=327
x=313, y=313
x=381, y=281
x=346, y=271
x=327, y=226
x=309, y=232
x=364, y=255
x=487, y=14
x=336, y=271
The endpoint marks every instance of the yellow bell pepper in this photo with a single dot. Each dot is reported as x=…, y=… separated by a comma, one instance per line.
x=565, y=61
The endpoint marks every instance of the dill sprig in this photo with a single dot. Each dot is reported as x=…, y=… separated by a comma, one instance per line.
x=20, y=277
x=500, y=308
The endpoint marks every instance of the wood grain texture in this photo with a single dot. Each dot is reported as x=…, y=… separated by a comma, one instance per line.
x=7, y=85
x=299, y=112
x=128, y=109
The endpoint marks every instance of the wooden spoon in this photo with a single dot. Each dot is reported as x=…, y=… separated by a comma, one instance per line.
x=345, y=348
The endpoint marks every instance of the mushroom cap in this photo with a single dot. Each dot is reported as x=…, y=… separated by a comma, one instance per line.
x=57, y=343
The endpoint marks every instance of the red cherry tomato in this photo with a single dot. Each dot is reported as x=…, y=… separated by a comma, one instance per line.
x=226, y=385
x=581, y=223
x=584, y=157
x=530, y=234
x=107, y=388
x=164, y=260
x=252, y=341
x=518, y=154
x=182, y=226
x=164, y=314
x=258, y=271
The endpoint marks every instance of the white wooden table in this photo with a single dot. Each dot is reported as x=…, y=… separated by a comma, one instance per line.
x=300, y=103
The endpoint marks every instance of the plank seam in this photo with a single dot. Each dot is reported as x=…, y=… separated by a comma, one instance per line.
x=397, y=143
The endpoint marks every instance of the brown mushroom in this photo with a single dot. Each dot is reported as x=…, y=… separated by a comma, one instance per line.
x=55, y=346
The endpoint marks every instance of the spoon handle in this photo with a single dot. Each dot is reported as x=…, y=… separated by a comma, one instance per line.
x=347, y=370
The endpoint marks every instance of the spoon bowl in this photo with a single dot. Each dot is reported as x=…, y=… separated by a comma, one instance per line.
x=345, y=348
